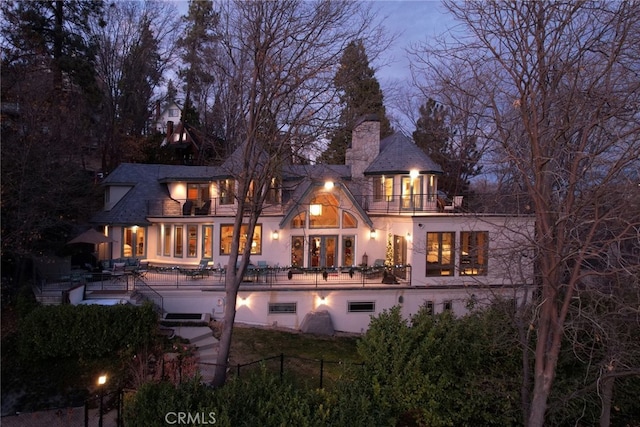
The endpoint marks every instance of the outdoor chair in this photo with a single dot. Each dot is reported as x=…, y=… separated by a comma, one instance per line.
x=186, y=208
x=201, y=271
x=204, y=210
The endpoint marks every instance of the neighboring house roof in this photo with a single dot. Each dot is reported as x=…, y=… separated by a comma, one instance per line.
x=399, y=155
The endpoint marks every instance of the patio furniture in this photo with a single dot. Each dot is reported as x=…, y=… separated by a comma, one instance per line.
x=186, y=208
x=204, y=210
x=201, y=271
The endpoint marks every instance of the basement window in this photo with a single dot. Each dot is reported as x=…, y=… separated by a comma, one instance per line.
x=361, y=307
x=283, y=307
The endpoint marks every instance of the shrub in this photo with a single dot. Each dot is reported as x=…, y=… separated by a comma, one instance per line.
x=85, y=331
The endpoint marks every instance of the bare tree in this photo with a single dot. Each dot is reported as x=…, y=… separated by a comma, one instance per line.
x=555, y=88
x=278, y=60
x=135, y=48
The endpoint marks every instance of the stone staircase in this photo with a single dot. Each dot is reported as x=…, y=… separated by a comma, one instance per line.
x=206, y=348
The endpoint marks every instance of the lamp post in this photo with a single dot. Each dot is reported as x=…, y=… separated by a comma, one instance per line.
x=102, y=380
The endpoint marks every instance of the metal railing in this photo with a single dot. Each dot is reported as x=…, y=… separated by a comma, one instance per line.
x=149, y=294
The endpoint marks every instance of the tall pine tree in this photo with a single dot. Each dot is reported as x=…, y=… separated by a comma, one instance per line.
x=360, y=95
x=457, y=155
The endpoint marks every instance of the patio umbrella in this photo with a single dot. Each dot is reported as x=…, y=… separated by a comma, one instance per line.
x=91, y=236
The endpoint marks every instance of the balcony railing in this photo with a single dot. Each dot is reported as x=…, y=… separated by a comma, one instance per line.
x=156, y=279
x=213, y=206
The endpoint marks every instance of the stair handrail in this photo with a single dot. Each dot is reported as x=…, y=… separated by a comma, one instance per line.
x=149, y=293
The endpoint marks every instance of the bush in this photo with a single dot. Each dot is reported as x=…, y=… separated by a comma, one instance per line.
x=85, y=331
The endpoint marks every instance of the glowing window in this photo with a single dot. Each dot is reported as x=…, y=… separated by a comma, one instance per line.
x=349, y=221
x=328, y=215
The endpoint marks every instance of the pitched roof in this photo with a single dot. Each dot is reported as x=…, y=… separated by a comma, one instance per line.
x=399, y=155
x=146, y=183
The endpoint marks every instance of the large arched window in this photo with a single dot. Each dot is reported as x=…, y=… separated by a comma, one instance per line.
x=323, y=211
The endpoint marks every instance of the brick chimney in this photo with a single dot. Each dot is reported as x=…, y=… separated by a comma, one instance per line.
x=365, y=145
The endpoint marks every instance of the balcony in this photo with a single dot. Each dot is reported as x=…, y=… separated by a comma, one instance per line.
x=211, y=207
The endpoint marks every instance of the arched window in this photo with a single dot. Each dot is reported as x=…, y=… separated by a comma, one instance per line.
x=323, y=211
x=348, y=220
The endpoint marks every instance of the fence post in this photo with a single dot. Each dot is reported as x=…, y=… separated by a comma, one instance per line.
x=238, y=370
x=281, y=365
x=321, y=371
x=86, y=414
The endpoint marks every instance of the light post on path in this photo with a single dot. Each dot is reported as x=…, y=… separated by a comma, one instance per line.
x=102, y=380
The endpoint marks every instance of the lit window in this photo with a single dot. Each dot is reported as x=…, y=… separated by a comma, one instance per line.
x=382, y=188
x=440, y=250
x=226, y=191
x=299, y=220
x=349, y=221
x=226, y=238
x=474, y=246
x=327, y=215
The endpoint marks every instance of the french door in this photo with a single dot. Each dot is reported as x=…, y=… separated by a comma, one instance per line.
x=323, y=251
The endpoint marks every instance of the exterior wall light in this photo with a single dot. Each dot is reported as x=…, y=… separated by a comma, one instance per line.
x=372, y=234
x=275, y=235
x=328, y=185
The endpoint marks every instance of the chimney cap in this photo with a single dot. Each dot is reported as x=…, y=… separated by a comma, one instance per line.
x=366, y=118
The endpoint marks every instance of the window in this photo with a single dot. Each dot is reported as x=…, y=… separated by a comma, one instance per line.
x=299, y=220
x=207, y=241
x=273, y=192
x=361, y=306
x=192, y=243
x=349, y=221
x=440, y=250
x=411, y=192
x=167, y=241
x=348, y=247
x=178, y=243
x=382, y=188
x=133, y=242
x=447, y=305
x=297, y=251
x=226, y=191
x=474, y=246
x=282, y=307
x=323, y=211
x=198, y=193
x=173, y=112
x=226, y=237
x=428, y=307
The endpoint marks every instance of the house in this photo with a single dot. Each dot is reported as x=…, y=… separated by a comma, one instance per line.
x=379, y=209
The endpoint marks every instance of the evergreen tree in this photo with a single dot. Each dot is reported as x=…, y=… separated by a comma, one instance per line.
x=360, y=95
x=456, y=155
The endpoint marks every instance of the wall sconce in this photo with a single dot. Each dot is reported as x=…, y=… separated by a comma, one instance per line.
x=413, y=173
x=328, y=185
x=315, y=210
x=275, y=235
x=409, y=236
x=372, y=234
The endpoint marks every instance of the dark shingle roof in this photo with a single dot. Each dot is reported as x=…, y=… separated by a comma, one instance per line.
x=399, y=155
x=147, y=183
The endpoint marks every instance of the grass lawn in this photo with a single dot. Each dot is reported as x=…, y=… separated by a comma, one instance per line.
x=302, y=352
